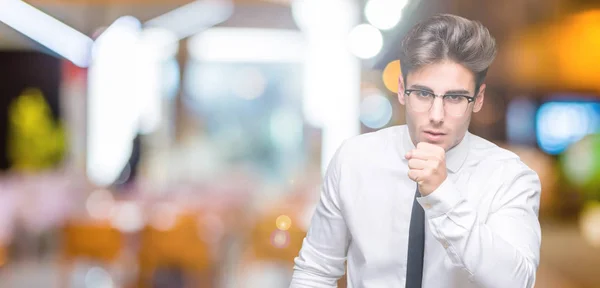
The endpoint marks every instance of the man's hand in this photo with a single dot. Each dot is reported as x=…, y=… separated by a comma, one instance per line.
x=427, y=166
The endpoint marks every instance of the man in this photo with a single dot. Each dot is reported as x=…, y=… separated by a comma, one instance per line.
x=473, y=221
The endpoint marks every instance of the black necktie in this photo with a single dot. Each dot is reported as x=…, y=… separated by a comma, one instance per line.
x=416, y=246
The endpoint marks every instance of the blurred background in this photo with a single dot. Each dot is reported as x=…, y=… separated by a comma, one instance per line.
x=182, y=143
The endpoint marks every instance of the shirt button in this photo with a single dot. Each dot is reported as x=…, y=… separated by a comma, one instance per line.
x=445, y=244
x=427, y=206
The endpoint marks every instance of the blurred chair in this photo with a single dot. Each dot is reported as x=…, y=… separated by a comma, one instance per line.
x=269, y=243
x=268, y=252
x=277, y=237
x=3, y=256
x=178, y=247
x=95, y=241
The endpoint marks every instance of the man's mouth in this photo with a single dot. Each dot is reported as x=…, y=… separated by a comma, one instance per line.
x=435, y=133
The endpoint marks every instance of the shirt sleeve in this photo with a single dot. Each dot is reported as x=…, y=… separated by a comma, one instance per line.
x=502, y=249
x=321, y=261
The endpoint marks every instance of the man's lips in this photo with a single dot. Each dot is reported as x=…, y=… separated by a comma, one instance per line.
x=435, y=133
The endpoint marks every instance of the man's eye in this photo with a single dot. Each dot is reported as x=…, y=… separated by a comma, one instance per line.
x=455, y=99
x=423, y=94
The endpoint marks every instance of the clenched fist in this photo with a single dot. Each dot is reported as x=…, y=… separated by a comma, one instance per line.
x=427, y=166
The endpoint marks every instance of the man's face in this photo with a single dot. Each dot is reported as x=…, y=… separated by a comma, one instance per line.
x=437, y=126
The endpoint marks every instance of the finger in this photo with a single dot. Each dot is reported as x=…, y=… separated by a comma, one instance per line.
x=415, y=175
x=432, y=158
x=418, y=164
x=421, y=154
x=431, y=147
x=429, y=154
x=408, y=155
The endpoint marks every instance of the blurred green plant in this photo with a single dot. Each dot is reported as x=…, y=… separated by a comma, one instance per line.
x=35, y=140
x=581, y=165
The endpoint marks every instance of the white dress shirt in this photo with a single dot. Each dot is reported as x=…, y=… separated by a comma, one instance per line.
x=481, y=228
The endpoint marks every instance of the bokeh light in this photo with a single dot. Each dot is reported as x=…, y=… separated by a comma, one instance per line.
x=384, y=14
x=280, y=239
x=127, y=217
x=590, y=223
x=375, y=111
x=283, y=222
x=581, y=163
x=390, y=75
x=97, y=277
x=323, y=16
x=99, y=204
x=559, y=124
x=365, y=41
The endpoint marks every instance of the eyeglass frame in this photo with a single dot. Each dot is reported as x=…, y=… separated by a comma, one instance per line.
x=470, y=99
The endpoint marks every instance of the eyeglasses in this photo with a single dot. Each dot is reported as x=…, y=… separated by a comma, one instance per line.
x=422, y=101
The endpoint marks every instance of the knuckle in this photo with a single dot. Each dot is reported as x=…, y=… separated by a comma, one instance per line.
x=427, y=172
x=433, y=162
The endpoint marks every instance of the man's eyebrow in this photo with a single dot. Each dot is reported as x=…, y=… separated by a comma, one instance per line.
x=453, y=92
x=458, y=91
x=421, y=87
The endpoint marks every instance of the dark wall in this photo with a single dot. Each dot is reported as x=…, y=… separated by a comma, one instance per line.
x=26, y=69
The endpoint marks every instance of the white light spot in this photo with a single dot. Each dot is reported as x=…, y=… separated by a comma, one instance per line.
x=365, y=41
x=384, y=14
x=128, y=217
x=98, y=278
x=100, y=204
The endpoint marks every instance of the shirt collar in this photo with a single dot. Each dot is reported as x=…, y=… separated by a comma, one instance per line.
x=455, y=157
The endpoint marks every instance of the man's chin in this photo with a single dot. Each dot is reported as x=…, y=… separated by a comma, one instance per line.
x=440, y=143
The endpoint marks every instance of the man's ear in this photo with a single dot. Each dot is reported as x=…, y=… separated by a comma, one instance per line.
x=479, y=99
x=401, y=90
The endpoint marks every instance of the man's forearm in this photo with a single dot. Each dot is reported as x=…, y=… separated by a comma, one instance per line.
x=500, y=251
x=486, y=256
x=312, y=270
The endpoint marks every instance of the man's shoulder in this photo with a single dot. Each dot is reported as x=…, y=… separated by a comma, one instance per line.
x=484, y=153
x=371, y=142
x=367, y=149
x=485, y=150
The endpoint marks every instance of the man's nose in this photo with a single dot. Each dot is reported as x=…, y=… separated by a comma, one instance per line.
x=436, y=113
